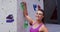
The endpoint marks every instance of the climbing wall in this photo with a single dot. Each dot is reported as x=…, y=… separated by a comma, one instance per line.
x=11, y=14
x=8, y=15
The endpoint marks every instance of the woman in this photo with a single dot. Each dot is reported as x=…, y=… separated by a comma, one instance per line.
x=36, y=26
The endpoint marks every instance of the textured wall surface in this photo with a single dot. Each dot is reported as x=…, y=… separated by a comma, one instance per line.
x=8, y=7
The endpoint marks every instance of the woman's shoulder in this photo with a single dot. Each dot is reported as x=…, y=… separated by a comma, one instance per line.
x=32, y=23
x=43, y=27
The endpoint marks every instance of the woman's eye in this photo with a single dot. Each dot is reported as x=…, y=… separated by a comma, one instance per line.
x=40, y=14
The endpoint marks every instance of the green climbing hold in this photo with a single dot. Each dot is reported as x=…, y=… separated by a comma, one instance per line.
x=25, y=24
x=22, y=5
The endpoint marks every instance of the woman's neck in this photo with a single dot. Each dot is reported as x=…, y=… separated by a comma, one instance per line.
x=38, y=21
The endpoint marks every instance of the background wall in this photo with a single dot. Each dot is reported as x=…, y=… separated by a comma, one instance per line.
x=8, y=7
x=52, y=13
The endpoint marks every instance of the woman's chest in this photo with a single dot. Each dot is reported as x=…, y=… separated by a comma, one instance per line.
x=37, y=27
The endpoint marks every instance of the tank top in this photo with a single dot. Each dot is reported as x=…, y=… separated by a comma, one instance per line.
x=36, y=29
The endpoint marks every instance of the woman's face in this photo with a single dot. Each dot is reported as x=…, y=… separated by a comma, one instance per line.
x=39, y=15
